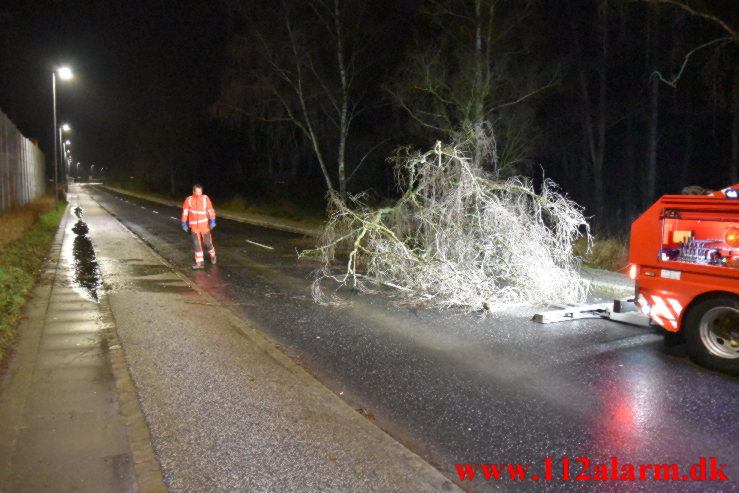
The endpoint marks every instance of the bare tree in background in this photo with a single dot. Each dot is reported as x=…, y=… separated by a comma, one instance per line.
x=729, y=37
x=594, y=111
x=299, y=62
x=470, y=77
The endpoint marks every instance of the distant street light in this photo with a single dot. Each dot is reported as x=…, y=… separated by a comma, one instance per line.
x=64, y=128
x=65, y=73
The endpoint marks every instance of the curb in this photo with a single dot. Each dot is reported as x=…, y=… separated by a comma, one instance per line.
x=149, y=477
x=609, y=282
x=145, y=464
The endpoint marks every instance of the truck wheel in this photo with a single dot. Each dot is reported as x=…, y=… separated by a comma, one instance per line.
x=712, y=333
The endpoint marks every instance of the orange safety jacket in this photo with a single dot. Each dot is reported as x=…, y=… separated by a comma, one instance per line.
x=197, y=211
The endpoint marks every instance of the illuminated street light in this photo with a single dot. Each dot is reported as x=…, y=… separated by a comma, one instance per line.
x=65, y=128
x=65, y=73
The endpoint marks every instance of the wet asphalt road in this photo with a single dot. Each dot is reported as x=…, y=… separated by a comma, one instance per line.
x=469, y=388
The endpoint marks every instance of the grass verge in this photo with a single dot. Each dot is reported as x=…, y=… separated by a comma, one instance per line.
x=279, y=208
x=21, y=262
x=607, y=253
x=312, y=214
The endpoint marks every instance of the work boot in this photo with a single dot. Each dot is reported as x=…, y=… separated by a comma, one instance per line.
x=213, y=261
x=198, y=266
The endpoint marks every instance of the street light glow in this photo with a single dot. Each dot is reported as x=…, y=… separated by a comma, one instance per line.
x=65, y=73
x=67, y=141
x=66, y=127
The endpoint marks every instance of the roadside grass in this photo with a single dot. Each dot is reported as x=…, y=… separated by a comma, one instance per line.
x=21, y=258
x=607, y=253
x=311, y=214
x=17, y=220
x=279, y=208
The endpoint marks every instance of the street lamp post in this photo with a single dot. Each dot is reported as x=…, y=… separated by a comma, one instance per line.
x=64, y=73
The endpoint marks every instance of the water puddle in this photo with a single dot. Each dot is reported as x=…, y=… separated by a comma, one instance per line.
x=84, y=271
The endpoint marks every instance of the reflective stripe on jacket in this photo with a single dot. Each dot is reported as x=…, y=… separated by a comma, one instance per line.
x=197, y=211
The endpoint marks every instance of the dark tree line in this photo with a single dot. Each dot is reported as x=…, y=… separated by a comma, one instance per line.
x=619, y=101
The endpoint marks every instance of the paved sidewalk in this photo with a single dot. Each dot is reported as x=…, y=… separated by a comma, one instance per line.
x=62, y=426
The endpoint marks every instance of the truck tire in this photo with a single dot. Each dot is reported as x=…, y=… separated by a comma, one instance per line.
x=712, y=333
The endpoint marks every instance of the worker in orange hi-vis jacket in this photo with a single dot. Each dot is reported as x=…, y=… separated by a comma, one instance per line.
x=199, y=215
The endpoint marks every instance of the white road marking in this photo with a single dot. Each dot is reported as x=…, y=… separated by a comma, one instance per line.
x=155, y=212
x=173, y=218
x=259, y=244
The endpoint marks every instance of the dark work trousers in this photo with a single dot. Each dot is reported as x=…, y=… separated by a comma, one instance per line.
x=197, y=244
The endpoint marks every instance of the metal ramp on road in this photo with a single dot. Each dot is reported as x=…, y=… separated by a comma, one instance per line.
x=623, y=310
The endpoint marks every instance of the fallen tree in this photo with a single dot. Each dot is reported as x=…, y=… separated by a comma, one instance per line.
x=457, y=237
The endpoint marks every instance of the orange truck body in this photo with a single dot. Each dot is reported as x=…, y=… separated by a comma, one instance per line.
x=685, y=248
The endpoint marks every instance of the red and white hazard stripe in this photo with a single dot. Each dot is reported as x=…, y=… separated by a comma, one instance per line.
x=664, y=310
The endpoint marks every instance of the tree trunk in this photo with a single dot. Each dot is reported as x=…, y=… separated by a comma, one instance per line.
x=650, y=172
x=599, y=156
x=344, y=116
x=650, y=179
x=594, y=120
x=477, y=115
x=632, y=175
x=734, y=166
x=688, y=149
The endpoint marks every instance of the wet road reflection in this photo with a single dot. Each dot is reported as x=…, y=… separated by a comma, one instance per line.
x=460, y=388
x=84, y=271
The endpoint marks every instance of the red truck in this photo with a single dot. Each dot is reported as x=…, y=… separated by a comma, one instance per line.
x=684, y=257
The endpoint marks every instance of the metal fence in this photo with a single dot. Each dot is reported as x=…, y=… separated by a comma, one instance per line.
x=22, y=169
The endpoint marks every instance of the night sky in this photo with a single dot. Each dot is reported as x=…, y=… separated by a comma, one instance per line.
x=133, y=61
x=176, y=92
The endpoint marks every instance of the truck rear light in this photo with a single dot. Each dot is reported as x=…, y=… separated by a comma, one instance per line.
x=732, y=236
x=633, y=270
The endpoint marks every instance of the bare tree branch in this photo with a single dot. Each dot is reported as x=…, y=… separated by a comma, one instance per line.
x=703, y=15
x=673, y=82
x=366, y=154
x=524, y=97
